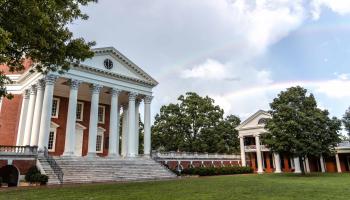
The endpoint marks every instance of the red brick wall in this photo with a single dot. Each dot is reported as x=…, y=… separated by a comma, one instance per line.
x=9, y=119
x=62, y=122
x=22, y=165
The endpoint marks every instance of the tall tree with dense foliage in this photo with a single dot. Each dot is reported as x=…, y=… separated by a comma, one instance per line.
x=37, y=30
x=346, y=121
x=194, y=124
x=298, y=127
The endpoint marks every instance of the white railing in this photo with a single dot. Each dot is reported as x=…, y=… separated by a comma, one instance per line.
x=253, y=147
x=188, y=155
x=18, y=150
x=344, y=144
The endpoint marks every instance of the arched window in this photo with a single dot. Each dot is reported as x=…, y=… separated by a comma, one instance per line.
x=262, y=121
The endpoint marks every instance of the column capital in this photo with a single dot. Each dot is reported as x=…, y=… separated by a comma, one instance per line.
x=40, y=84
x=74, y=84
x=148, y=99
x=240, y=136
x=115, y=91
x=26, y=94
x=257, y=135
x=132, y=96
x=32, y=89
x=50, y=79
x=95, y=88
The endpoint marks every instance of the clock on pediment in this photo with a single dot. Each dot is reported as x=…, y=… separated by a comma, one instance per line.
x=108, y=63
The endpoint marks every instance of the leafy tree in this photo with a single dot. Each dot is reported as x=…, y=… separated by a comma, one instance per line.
x=36, y=30
x=346, y=121
x=194, y=124
x=298, y=127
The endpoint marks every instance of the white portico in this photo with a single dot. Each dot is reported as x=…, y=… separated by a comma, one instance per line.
x=260, y=157
x=79, y=112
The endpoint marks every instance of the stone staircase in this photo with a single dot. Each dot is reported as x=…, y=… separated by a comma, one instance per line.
x=89, y=170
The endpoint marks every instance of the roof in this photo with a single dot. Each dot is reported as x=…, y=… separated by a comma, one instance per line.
x=259, y=112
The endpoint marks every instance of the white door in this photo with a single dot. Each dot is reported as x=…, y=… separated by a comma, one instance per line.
x=78, y=141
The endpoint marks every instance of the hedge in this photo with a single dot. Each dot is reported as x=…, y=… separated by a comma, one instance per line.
x=212, y=171
x=34, y=176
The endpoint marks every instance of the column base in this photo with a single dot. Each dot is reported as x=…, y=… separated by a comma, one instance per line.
x=260, y=172
x=278, y=172
x=113, y=155
x=68, y=154
x=131, y=155
x=297, y=172
x=91, y=155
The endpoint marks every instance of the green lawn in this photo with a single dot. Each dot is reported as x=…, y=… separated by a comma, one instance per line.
x=284, y=186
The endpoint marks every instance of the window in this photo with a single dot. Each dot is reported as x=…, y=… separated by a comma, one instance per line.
x=262, y=121
x=52, y=140
x=80, y=110
x=55, y=107
x=101, y=114
x=99, y=142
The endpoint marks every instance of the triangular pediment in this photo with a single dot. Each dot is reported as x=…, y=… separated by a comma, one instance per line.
x=254, y=121
x=119, y=64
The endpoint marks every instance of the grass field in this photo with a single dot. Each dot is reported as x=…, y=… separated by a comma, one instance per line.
x=283, y=186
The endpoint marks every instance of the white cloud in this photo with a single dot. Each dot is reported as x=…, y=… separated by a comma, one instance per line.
x=341, y=7
x=210, y=69
x=202, y=45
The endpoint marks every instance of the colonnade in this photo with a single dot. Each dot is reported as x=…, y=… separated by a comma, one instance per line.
x=34, y=126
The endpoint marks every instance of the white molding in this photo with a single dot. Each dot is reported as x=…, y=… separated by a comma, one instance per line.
x=53, y=129
x=249, y=119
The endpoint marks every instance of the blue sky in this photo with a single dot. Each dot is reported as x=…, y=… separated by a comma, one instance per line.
x=239, y=52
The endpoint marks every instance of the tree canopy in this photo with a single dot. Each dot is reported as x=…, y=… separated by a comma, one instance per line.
x=298, y=127
x=195, y=124
x=37, y=30
x=346, y=121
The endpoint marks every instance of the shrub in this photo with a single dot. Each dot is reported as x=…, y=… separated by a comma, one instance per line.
x=34, y=176
x=211, y=171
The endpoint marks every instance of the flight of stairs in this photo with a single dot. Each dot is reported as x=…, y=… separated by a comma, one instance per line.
x=89, y=170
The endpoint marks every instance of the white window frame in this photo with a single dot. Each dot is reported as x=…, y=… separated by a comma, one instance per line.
x=55, y=115
x=82, y=111
x=100, y=132
x=53, y=128
x=104, y=114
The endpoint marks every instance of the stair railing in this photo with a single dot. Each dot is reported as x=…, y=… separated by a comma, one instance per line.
x=55, y=167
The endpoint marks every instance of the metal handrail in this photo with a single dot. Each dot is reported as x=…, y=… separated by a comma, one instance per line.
x=55, y=167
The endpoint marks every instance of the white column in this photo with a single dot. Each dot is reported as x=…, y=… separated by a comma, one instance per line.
x=258, y=154
x=30, y=115
x=131, y=128
x=337, y=161
x=45, y=119
x=95, y=90
x=297, y=169
x=37, y=112
x=147, y=126
x=137, y=126
x=113, y=150
x=241, y=144
x=323, y=168
x=307, y=165
x=69, y=145
x=23, y=117
x=277, y=162
x=125, y=130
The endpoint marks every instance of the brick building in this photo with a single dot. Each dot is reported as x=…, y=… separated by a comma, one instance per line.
x=261, y=159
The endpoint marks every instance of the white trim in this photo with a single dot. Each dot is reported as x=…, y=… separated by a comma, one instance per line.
x=55, y=115
x=103, y=115
x=100, y=132
x=82, y=111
